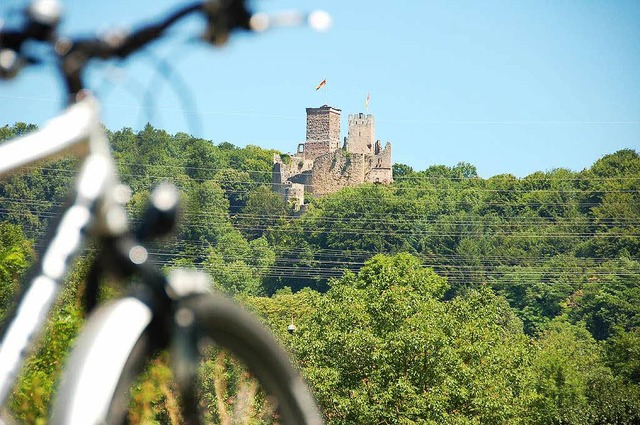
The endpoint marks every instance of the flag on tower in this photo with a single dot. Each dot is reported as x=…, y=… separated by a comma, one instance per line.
x=322, y=83
x=367, y=102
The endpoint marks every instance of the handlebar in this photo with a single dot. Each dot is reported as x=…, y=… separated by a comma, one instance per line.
x=223, y=17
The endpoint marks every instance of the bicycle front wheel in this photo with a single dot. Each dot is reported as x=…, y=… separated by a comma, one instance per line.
x=243, y=374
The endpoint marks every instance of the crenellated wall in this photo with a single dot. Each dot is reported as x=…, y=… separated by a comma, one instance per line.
x=361, y=134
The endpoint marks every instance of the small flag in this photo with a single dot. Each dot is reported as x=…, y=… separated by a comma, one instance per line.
x=322, y=83
x=367, y=102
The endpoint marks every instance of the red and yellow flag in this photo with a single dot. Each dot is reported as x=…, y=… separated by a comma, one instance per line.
x=366, y=104
x=322, y=84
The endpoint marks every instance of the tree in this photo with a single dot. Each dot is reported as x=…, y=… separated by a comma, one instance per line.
x=202, y=160
x=611, y=299
x=238, y=266
x=264, y=210
x=613, y=185
x=15, y=255
x=382, y=348
x=464, y=170
x=623, y=354
x=236, y=185
x=206, y=214
x=570, y=376
x=401, y=171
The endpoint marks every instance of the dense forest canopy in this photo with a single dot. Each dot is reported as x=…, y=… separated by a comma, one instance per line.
x=441, y=298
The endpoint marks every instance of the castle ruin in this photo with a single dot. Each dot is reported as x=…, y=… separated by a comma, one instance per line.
x=320, y=166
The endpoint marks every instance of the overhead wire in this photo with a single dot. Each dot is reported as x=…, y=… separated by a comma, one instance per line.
x=333, y=266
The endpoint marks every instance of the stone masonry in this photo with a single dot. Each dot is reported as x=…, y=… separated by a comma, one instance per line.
x=320, y=166
x=323, y=131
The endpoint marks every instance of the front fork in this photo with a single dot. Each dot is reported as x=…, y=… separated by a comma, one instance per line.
x=185, y=341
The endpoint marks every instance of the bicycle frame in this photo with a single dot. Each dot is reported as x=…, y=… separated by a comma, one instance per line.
x=177, y=312
x=96, y=209
x=164, y=309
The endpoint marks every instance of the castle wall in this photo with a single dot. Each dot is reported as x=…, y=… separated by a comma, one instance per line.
x=294, y=194
x=283, y=172
x=379, y=175
x=381, y=170
x=361, y=134
x=335, y=171
x=302, y=178
x=385, y=156
x=314, y=149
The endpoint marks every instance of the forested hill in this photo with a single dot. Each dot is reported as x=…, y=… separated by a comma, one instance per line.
x=491, y=267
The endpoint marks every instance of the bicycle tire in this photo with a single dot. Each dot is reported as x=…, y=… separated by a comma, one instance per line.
x=88, y=393
x=217, y=318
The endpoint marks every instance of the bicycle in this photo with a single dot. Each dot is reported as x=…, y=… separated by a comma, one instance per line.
x=177, y=312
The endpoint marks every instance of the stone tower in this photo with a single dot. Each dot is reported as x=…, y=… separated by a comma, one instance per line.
x=361, y=135
x=323, y=131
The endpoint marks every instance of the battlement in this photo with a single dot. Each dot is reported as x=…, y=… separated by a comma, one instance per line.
x=360, y=119
x=361, y=134
x=323, y=109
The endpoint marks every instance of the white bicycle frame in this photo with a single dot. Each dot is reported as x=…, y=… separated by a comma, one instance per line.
x=96, y=208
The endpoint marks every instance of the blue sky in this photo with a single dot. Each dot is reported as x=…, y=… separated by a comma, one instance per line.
x=509, y=86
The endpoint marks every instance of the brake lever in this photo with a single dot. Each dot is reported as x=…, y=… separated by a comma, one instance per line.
x=225, y=16
x=43, y=17
x=318, y=20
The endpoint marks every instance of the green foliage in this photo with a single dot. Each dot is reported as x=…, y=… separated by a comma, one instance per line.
x=573, y=383
x=264, y=210
x=202, y=160
x=18, y=129
x=283, y=308
x=237, y=266
x=401, y=171
x=205, y=214
x=382, y=272
x=566, y=359
x=612, y=299
x=614, y=191
x=623, y=354
x=29, y=197
x=347, y=161
x=381, y=348
x=518, y=303
x=15, y=255
x=32, y=397
x=236, y=185
x=285, y=158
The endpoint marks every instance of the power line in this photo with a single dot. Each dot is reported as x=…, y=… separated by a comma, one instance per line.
x=391, y=189
x=391, y=218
